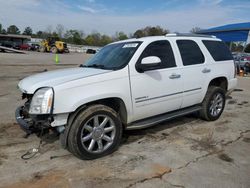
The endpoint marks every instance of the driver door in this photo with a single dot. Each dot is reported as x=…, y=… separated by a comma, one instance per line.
x=159, y=89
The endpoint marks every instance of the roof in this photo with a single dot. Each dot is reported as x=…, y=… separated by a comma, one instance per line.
x=15, y=36
x=230, y=27
x=169, y=36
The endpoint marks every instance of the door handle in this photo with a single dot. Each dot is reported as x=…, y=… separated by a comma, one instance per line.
x=175, y=76
x=206, y=70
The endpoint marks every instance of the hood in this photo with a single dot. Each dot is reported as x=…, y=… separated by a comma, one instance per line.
x=56, y=77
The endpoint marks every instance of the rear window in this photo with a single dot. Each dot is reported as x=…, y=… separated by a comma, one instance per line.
x=218, y=50
x=190, y=52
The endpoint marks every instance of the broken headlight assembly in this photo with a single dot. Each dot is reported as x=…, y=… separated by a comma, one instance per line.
x=42, y=101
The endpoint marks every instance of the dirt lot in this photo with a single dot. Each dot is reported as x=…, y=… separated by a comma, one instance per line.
x=185, y=152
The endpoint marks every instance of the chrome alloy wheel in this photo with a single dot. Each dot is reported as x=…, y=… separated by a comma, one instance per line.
x=216, y=104
x=98, y=133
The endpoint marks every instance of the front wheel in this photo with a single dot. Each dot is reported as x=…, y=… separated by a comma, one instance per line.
x=54, y=50
x=213, y=104
x=96, y=132
x=42, y=49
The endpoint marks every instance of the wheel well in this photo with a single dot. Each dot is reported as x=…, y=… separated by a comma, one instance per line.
x=220, y=82
x=115, y=103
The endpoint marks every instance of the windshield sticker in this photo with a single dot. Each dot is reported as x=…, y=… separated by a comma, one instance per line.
x=130, y=45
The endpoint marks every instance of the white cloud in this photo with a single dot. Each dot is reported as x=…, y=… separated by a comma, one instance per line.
x=210, y=2
x=87, y=9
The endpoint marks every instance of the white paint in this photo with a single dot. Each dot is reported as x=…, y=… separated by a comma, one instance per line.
x=77, y=86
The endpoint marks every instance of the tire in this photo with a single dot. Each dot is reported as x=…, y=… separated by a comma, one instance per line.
x=66, y=51
x=42, y=49
x=87, y=137
x=54, y=50
x=213, y=103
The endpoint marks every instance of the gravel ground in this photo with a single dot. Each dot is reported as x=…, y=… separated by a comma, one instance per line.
x=185, y=152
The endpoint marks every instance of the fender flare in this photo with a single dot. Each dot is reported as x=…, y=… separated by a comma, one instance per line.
x=64, y=136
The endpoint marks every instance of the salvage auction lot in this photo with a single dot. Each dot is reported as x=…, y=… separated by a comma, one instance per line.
x=185, y=152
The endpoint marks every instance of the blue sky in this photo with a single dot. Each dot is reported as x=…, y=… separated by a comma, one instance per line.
x=109, y=16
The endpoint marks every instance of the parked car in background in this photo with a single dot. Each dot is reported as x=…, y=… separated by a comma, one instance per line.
x=24, y=47
x=16, y=46
x=90, y=51
x=242, y=61
x=34, y=47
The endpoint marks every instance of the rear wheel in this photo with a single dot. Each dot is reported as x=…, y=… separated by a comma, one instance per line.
x=96, y=132
x=213, y=104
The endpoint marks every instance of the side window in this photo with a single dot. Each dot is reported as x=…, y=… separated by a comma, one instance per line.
x=161, y=49
x=218, y=50
x=190, y=52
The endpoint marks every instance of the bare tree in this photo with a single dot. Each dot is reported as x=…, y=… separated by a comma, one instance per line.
x=49, y=29
x=195, y=30
x=60, y=30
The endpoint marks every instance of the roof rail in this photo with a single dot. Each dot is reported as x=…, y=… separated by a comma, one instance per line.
x=188, y=35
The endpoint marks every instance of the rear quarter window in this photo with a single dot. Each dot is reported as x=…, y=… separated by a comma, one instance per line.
x=218, y=50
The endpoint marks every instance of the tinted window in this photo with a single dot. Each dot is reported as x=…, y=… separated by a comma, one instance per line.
x=161, y=49
x=113, y=56
x=190, y=52
x=218, y=50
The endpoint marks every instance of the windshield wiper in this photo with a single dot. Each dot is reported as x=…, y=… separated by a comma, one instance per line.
x=94, y=66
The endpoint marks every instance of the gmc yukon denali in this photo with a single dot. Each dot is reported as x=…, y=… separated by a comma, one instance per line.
x=130, y=84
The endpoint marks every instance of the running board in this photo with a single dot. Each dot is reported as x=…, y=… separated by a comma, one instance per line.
x=148, y=122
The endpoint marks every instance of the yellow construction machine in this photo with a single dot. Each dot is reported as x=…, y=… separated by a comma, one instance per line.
x=54, y=45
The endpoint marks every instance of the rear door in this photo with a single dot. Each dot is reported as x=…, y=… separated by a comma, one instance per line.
x=194, y=71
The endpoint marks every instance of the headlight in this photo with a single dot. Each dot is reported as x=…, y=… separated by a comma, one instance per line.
x=41, y=102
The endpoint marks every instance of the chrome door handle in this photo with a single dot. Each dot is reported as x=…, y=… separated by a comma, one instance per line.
x=175, y=76
x=206, y=70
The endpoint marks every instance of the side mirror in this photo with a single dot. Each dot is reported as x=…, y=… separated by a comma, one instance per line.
x=148, y=63
x=150, y=60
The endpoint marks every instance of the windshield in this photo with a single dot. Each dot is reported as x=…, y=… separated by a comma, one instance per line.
x=113, y=56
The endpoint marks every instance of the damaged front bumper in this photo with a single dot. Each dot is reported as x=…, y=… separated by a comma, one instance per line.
x=23, y=123
x=32, y=124
x=40, y=123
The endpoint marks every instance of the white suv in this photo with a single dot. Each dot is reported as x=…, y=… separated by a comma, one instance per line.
x=130, y=84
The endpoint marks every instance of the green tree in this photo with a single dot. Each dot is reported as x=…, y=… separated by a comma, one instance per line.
x=74, y=36
x=4, y=31
x=94, y=39
x=150, y=31
x=89, y=40
x=121, y=36
x=138, y=34
x=156, y=31
x=13, y=30
x=42, y=34
x=27, y=31
x=39, y=34
x=105, y=39
x=1, y=27
x=54, y=34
